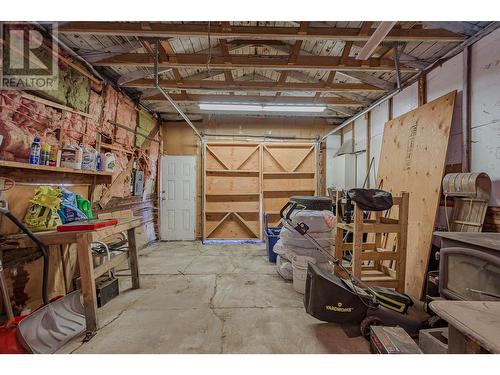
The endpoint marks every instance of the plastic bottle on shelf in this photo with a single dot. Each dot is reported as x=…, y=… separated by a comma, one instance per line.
x=98, y=162
x=54, y=151
x=108, y=162
x=35, y=151
x=45, y=153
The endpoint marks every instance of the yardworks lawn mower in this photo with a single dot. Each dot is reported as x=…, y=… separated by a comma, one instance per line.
x=348, y=300
x=50, y=326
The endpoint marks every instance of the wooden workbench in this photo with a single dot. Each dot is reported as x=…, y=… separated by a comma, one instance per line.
x=473, y=325
x=88, y=274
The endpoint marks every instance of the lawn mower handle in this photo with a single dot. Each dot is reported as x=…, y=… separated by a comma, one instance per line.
x=283, y=209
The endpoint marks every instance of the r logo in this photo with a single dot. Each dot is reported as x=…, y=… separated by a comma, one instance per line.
x=29, y=56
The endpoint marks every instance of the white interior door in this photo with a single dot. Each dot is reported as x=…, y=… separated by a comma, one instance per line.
x=178, y=198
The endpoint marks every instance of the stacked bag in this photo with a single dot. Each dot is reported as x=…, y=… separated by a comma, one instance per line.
x=295, y=251
x=52, y=206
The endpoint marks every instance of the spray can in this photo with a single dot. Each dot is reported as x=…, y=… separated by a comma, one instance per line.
x=35, y=151
x=45, y=153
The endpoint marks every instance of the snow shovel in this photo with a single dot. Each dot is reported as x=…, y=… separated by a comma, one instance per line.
x=51, y=326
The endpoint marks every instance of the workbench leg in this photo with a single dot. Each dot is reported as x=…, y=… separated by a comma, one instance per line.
x=87, y=282
x=133, y=258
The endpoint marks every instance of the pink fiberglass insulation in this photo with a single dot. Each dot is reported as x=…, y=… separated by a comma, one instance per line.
x=94, y=124
x=21, y=120
x=109, y=111
x=126, y=115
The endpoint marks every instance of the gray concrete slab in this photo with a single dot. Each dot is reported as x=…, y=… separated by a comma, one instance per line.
x=248, y=290
x=210, y=299
x=283, y=330
x=159, y=331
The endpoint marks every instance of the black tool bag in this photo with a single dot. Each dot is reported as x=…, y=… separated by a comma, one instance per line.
x=329, y=299
x=371, y=199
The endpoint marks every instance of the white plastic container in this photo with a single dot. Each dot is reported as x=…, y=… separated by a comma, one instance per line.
x=108, y=162
x=299, y=266
x=71, y=157
x=89, y=157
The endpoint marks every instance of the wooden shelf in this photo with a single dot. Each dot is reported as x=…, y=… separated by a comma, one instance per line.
x=46, y=174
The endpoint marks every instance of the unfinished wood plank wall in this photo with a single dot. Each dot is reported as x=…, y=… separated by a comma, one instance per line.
x=243, y=180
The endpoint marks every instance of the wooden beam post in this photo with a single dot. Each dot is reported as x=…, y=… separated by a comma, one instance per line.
x=466, y=111
x=368, y=145
x=422, y=89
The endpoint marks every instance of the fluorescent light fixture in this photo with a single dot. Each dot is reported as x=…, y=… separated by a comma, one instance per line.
x=293, y=108
x=230, y=107
x=261, y=107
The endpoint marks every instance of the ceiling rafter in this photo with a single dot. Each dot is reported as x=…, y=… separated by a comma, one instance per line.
x=242, y=85
x=167, y=52
x=228, y=74
x=293, y=54
x=251, y=32
x=331, y=101
x=300, y=76
x=259, y=62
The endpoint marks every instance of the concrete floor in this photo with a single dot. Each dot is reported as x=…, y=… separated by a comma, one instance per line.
x=197, y=298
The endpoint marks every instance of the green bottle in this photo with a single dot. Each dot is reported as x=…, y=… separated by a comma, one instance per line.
x=84, y=206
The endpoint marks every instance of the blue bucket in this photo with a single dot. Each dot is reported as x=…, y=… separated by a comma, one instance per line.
x=272, y=236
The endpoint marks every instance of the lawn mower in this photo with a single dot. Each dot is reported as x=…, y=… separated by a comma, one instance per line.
x=350, y=301
x=50, y=326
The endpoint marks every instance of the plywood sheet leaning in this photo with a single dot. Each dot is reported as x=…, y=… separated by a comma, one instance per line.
x=232, y=191
x=288, y=169
x=413, y=159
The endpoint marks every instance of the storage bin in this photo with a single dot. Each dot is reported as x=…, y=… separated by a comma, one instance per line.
x=272, y=236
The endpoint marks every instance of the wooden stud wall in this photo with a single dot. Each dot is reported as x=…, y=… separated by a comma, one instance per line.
x=244, y=180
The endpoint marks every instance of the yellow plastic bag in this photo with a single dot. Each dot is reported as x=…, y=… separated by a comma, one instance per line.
x=42, y=213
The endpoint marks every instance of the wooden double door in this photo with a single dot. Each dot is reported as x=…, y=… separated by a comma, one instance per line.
x=243, y=181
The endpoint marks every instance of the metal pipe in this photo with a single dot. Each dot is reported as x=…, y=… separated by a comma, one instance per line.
x=203, y=184
x=164, y=93
x=269, y=136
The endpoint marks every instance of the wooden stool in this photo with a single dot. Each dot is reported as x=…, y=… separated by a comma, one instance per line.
x=372, y=261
